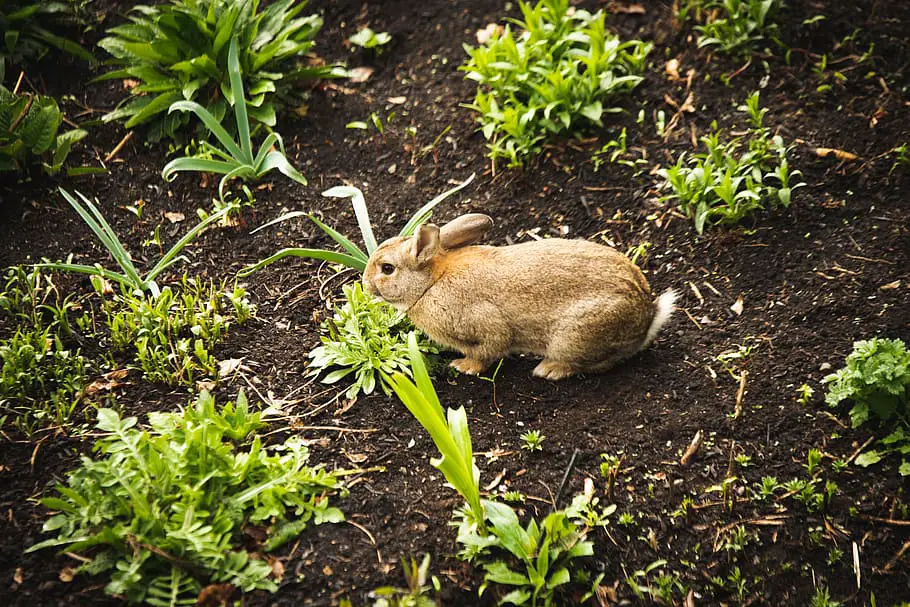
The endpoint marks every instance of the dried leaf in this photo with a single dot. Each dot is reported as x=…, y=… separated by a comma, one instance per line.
x=672, y=69
x=891, y=285
x=66, y=574
x=17, y=576
x=397, y=100
x=360, y=74
x=737, y=306
x=483, y=36
x=839, y=154
x=215, y=595
x=228, y=367
x=129, y=83
x=174, y=216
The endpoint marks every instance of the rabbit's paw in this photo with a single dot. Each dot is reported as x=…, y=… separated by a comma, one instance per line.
x=553, y=370
x=468, y=366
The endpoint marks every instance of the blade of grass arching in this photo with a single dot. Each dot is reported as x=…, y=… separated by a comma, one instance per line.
x=424, y=213
x=270, y=140
x=244, y=171
x=279, y=219
x=102, y=229
x=200, y=165
x=421, y=376
x=360, y=211
x=348, y=246
x=212, y=124
x=277, y=160
x=170, y=257
x=239, y=101
x=95, y=270
x=330, y=256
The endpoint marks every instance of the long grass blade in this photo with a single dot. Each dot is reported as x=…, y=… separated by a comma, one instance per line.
x=212, y=124
x=169, y=257
x=239, y=101
x=95, y=270
x=330, y=256
x=424, y=213
x=279, y=219
x=348, y=246
x=360, y=211
x=200, y=165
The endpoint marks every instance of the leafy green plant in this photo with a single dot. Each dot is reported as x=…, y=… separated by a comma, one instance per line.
x=733, y=26
x=173, y=335
x=130, y=277
x=901, y=157
x=179, y=51
x=532, y=440
x=28, y=30
x=41, y=381
x=161, y=510
x=449, y=430
x=417, y=592
x=30, y=132
x=722, y=186
x=366, y=337
x=368, y=39
x=535, y=561
x=552, y=78
x=354, y=257
x=876, y=378
x=236, y=160
x=32, y=299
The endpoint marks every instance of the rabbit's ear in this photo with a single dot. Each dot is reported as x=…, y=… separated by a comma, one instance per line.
x=464, y=230
x=426, y=243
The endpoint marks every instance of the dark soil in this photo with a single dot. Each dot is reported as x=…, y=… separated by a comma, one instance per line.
x=830, y=270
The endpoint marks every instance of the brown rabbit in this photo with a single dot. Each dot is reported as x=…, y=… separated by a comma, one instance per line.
x=582, y=306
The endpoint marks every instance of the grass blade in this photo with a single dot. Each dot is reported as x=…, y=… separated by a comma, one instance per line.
x=201, y=165
x=212, y=124
x=170, y=256
x=424, y=213
x=360, y=210
x=330, y=256
x=348, y=246
x=243, y=122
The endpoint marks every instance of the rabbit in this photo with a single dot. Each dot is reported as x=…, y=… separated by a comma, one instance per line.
x=582, y=306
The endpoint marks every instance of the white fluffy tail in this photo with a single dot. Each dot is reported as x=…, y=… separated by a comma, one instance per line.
x=665, y=306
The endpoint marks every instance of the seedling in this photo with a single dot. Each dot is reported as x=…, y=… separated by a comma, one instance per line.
x=368, y=39
x=417, y=592
x=805, y=393
x=532, y=440
x=609, y=469
x=236, y=160
x=734, y=26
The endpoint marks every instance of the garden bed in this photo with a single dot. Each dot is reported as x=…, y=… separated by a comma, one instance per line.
x=812, y=279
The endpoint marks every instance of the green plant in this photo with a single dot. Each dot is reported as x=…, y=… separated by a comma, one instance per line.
x=449, y=431
x=805, y=393
x=769, y=485
x=130, y=278
x=876, y=378
x=734, y=26
x=609, y=469
x=30, y=132
x=41, y=381
x=552, y=78
x=417, y=592
x=901, y=157
x=822, y=598
x=532, y=440
x=722, y=186
x=174, y=334
x=666, y=586
x=179, y=51
x=366, y=337
x=32, y=298
x=236, y=160
x=354, y=257
x=26, y=27
x=368, y=39
x=161, y=510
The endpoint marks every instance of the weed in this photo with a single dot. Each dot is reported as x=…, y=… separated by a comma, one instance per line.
x=179, y=51
x=30, y=132
x=552, y=78
x=805, y=393
x=532, y=440
x=368, y=39
x=163, y=508
x=901, y=157
x=666, y=586
x=366, y=337
x=174, y=334
x=41, y=381
x=723, y=186
x=353, y=257
x=615, y=152
x=734, y=26
x=769, y=486
x=626, y=519
x=876, y=378
x=609, y=469
x=417, y=592
x=236, y=160
x=822, y=598
x=514, y=496
x=130, y=278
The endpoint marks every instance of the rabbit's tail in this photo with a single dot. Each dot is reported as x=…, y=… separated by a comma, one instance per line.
x=664, y=307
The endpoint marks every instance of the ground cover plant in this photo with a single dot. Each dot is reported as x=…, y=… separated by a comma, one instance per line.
x=733, y=26
x=732, y=479
x=179, y=51
x=166, y=505
x=557, y=75
x=732, y=180
x=30, y=30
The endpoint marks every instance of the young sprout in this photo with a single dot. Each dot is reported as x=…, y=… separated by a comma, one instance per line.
x=626, y=519
x=609, y=469
x=805, y=393
x=533, y=440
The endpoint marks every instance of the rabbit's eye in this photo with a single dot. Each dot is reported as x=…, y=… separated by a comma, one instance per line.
x=387, y=268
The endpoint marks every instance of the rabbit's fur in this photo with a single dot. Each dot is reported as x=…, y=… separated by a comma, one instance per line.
x=580, y=305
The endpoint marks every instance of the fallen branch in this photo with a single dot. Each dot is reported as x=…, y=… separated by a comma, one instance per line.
x=692, y=449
